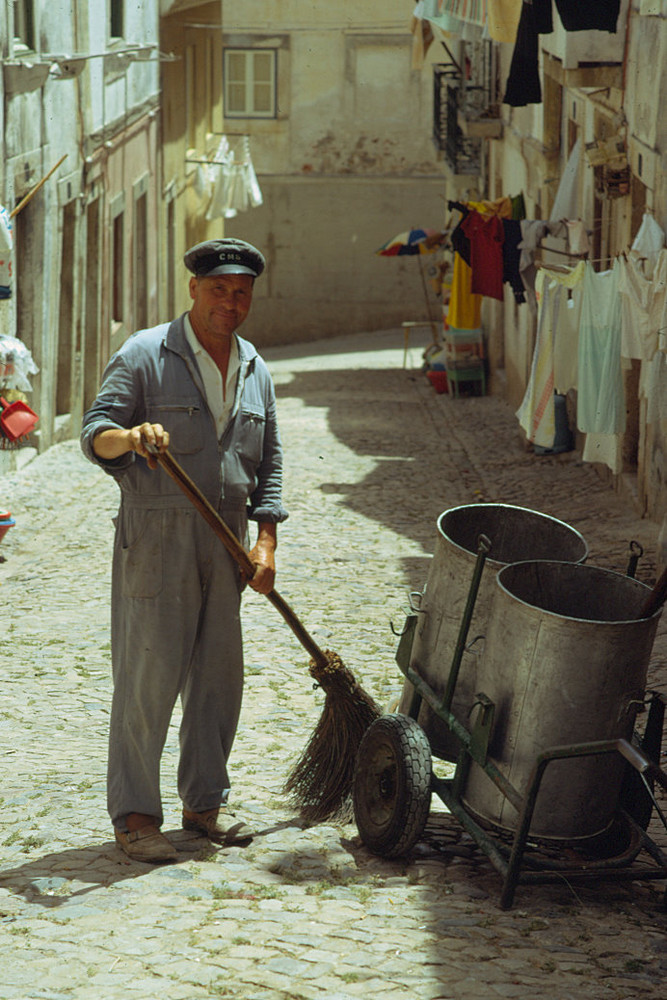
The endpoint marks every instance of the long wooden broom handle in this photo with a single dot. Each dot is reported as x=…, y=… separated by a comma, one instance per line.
x=235, y=549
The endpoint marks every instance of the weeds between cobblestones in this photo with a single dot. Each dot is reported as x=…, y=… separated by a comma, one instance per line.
x=373, y=456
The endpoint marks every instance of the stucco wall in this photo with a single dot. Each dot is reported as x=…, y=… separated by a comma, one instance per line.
x=323, y=276
x=346, y=164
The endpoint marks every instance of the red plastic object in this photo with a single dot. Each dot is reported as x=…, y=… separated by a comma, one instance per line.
x=16, y=419
x=5, y=525
x=438, y=380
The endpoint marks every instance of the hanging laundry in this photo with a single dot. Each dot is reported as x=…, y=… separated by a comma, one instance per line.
x=577, y=237
x=201, y=184
x=566, y=202
x=504, y=16
x=639, y=336
x=648, y=242
x=422, y=36
x=658, y=318
x=607, y=449
x=600, y=402
x=458, y=239
x=502, y=207
x=537, y=414
x=220, y=177
x=465, y=309
x=486, y=236
x=599, y=16
x=566, y=298
x=533, y=232
x=655, y=389
x=255, y=198
x=512, y=257
x=466, y=18
x=518, y=207
x=553, y=367
x=6, y=253
x=235, y=185
x=523, y=83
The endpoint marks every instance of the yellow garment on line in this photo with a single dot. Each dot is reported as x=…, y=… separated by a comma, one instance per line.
x=465, y=309
x=503, y=19
x=502, y=207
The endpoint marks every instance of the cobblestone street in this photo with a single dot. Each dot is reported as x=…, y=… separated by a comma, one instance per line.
x=373, y=456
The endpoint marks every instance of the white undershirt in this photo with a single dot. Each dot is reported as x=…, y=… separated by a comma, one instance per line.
x=220, y=403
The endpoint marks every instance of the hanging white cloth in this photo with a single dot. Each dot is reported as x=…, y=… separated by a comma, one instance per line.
x=537, y=414
x=601, y=398
x=606, y=449
x=235, y=185
x=554, y=365
x=648, y=242
x=566, y=203
x=220, y=174
x=639, y=335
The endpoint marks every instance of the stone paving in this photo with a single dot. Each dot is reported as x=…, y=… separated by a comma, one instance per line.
x=373, y=456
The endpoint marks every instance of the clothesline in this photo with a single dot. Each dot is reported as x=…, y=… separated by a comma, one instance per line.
x=213, y=162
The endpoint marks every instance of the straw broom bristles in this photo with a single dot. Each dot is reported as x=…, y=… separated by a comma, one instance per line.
x=320, y=783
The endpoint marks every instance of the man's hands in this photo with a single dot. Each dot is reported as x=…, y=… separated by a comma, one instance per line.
x=114, y=442
x=263, y=556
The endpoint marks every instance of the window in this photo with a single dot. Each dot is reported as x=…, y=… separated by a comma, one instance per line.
x=250, y=83
x=67, y=312
x=141, y=262
x=24, y=25
x=117, y=266
x=116, y=18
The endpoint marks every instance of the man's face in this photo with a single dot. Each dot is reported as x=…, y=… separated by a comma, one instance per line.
x=220, y=303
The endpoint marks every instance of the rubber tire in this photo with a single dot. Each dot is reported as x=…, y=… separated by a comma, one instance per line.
x=391, y=791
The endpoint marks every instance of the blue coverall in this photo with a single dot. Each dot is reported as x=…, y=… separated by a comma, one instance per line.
x=175, y=605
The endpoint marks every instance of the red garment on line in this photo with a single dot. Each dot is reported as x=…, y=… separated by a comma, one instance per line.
x=486, y=237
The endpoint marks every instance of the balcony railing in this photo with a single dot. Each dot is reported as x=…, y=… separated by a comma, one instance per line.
x=465, y=108
x=461, y=152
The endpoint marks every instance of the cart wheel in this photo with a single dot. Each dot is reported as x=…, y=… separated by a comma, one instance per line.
x=391, y=792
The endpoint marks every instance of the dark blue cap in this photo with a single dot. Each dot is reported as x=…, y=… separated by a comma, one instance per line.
x=224, y=257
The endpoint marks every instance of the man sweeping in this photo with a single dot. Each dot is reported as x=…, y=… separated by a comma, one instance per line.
x=195, y=386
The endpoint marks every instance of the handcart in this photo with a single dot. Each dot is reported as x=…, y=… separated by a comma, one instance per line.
x=551, y=778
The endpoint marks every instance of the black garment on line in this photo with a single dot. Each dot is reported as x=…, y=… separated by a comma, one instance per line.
x=511, y=258
x=602, y=15
x=458, y=239
x=523, y=83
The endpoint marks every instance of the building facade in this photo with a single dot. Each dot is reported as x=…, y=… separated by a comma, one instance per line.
x=80, y=88
x=589, y=136
x=324, y=99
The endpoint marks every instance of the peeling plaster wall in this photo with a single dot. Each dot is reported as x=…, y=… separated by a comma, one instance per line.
x=346, y=164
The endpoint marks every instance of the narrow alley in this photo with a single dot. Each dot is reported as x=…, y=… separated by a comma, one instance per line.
x=373, y=456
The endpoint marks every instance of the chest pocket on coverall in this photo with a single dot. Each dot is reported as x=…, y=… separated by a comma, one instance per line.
x=250, y=442
x=183, y=418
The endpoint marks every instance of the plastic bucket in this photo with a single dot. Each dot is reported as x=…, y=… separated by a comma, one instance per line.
x=565, y=663
x=5, y=524
x=516, y=534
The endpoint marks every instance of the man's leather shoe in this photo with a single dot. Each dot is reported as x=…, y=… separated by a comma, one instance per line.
x=146, y=844
x=219, y=825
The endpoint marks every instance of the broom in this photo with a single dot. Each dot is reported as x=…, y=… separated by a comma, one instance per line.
x=321, y=780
